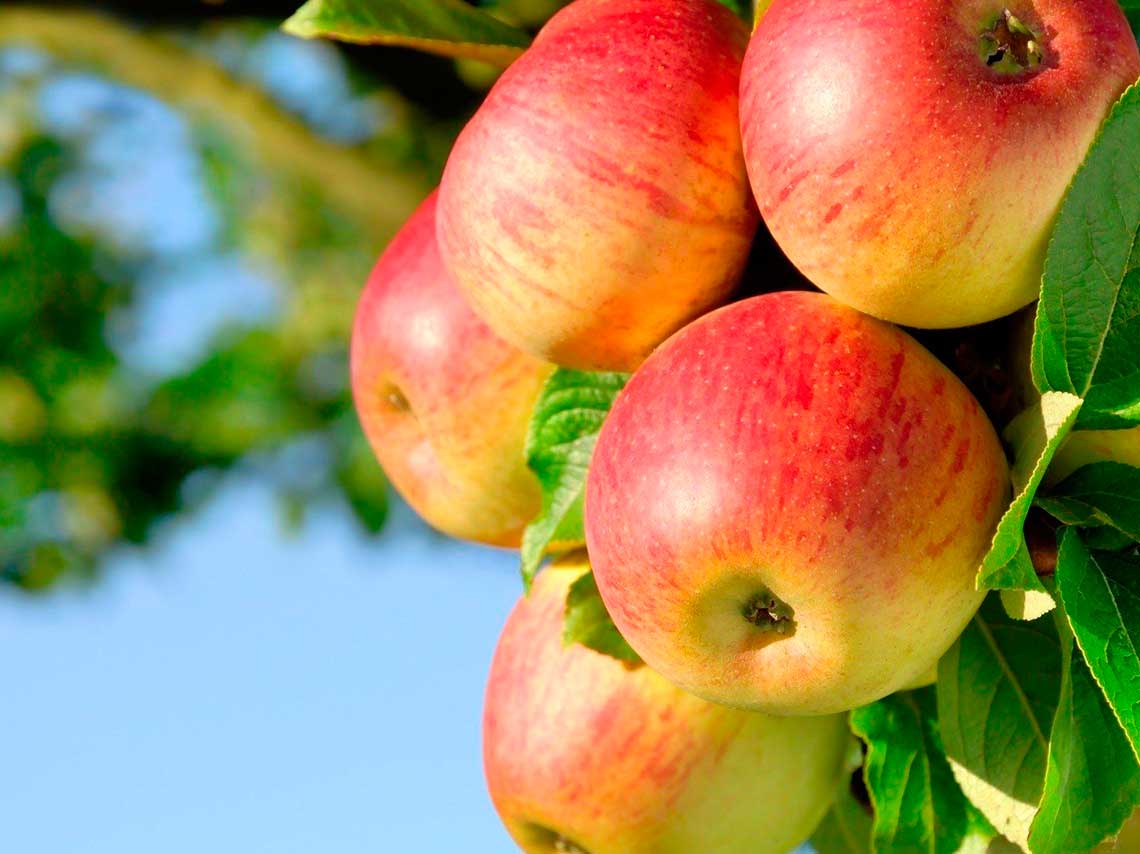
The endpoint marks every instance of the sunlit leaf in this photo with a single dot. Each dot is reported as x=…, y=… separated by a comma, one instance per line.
x=448, y=27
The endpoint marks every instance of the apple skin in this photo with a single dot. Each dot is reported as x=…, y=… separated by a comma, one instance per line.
x=444, y=402
x=1084, y=447
x=787, y=444
x=900, y=173
x=598, y=201
x=582, y=750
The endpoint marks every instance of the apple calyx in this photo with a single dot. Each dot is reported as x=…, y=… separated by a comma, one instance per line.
x=553, y=841
x=396, y=399
x=769, y=613
x=565, y=846
x=1008, y=46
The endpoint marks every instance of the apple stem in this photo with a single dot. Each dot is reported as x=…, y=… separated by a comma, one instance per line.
x=769, y=613
x=1009, y=46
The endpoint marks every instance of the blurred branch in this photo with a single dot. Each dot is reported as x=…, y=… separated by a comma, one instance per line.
x=379, y=197
x=99, y=444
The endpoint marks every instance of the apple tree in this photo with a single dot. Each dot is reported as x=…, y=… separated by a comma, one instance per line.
x=792, y=510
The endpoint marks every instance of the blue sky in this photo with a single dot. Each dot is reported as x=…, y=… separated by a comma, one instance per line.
x=237, y=689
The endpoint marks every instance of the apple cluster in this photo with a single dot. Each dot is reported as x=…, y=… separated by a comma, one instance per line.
x=788, y=503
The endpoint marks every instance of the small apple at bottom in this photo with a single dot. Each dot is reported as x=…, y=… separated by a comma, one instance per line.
x=584, y=753
x=445, y=402
x=598, y=200
x=788, y=505
x=910, y=156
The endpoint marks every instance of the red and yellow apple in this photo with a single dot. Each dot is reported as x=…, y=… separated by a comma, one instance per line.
x=788, y=505
x=910, y=156
x=584, y=753
x=444, y=402
x=598, y=200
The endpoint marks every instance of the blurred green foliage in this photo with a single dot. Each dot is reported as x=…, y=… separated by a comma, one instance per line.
x=101, y=437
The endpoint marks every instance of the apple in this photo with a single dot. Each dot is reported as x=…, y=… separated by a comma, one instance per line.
x=910, y=156
x=598, y=201
x=584, y=753
x=1081, y=447
x=788, y=504
x=1085, y=447
x=444, y=402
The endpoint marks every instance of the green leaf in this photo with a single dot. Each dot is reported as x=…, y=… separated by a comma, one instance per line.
x=1027, y=604
x=1035, y=435
x=1100, y=592
x=998, y=688
x=741, y=8
x=1107, y=539
x=1088, y=320
x=1092, y=781
x=918, y=804
x=1096, y=495
x=589, y=623
x=846, y=829
x=447, y=27
x=563, y=428
x=1018, y=573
